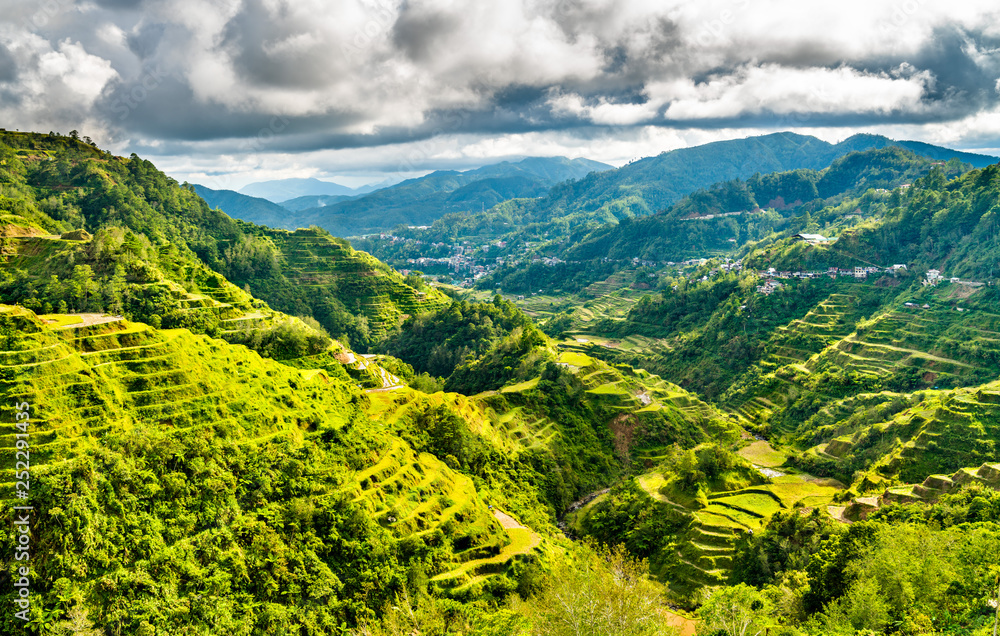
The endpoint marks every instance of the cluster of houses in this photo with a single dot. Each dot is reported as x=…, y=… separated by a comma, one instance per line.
x=771, y=285
x=932, y=278
x=834, y=272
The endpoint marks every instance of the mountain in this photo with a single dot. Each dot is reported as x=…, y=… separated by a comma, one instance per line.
x=168, y=401
x=310, y=201
x=247, y=208
x=156, y=238
x=649, y=185
x=616, y=214
x=421, y=201
x=688, y=228
x=279, y=190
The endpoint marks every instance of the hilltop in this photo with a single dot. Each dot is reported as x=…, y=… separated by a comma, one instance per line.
x=705, y=218
x=652, y=184
x=154, y=229
x=244, y=207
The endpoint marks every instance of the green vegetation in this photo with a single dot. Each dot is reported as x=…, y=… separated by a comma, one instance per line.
x=475, y=346
x=247, y=208
x=602, y=593
x=210, y=454
x=150, y=231
x=423, y=200
x=908, y=569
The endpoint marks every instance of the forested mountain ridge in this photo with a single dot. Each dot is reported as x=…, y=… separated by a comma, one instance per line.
x=716, y=221
x=422, y=200
x=679, y=232
x=652, y=184
x=51, y=187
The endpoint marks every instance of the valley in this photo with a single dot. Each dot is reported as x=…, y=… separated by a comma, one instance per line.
x=270, y=429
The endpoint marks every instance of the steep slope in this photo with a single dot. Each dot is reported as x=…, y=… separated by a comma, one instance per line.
x=200, y=448
x=651, y=184
x=328, y=276
x=695, y=225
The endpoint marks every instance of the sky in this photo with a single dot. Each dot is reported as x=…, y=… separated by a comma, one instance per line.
x=226, y=92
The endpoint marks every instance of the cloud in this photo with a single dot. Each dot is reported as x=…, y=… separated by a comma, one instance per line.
x=8, y=65
x=752, y=90
x=56, y=82
x=214, y=77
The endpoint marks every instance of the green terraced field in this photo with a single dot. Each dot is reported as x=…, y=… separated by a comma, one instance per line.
x=763, y=454
x=83, y=380
x=362, y=283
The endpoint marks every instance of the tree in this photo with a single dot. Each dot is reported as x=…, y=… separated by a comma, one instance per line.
x=77, y=623
x=603, y=592
x=739, y=610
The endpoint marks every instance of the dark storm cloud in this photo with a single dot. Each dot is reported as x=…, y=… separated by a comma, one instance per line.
x=254, y=39
x=8, y=65
x=417, y=33
x=150, y=108
x=965, y=82
x=964, y=65
x=144, y=41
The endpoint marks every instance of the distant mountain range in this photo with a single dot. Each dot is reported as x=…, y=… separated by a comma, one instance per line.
x=418, y=201
x=652, y=184
x=247, y=208
x=280, y=190
x=578, y=190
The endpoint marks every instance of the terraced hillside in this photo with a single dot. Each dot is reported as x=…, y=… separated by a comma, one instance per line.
x=892, y=438
x=49, y=273
x=928, y=491
x=933, y=340
x=323, y=266
x=89, y=379
x=945, y=344
x=828, y=321
x=651, y=412
x=699, y=549
x=132, y=225
x=793, y=345
x=84, y=380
